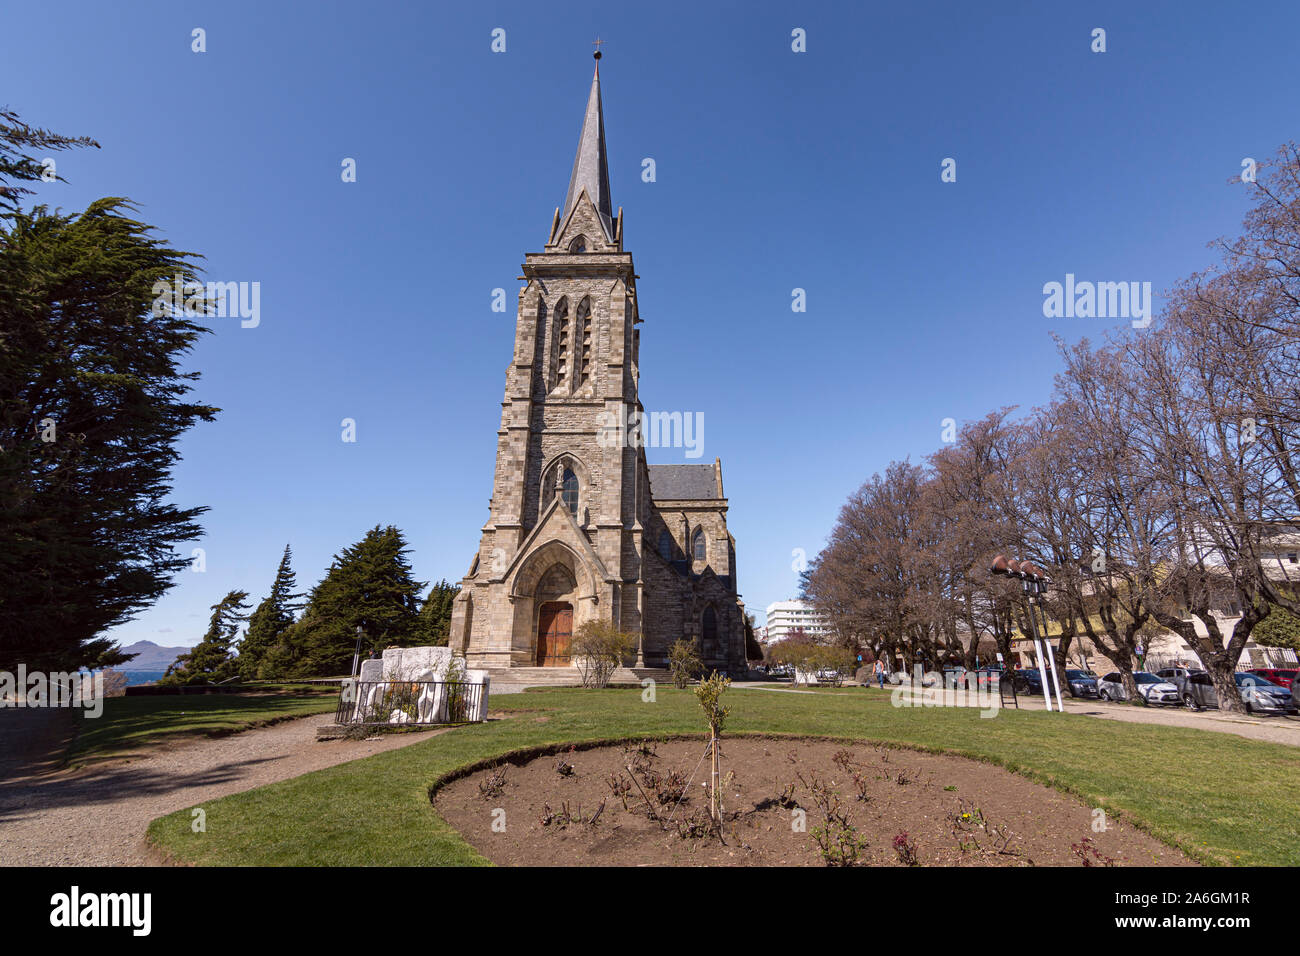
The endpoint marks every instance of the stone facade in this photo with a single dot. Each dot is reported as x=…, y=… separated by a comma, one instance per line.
x=575, y=525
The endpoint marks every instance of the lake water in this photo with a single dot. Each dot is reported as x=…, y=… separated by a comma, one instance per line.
x=142, y=677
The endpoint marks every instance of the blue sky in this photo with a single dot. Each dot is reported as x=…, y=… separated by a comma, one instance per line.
x=775, y=170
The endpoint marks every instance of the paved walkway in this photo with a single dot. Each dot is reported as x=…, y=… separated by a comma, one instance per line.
x=780, y=690
x=97, y=816
x=1278, y=730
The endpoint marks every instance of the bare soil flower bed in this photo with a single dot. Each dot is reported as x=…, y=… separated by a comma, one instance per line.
x=786, y=802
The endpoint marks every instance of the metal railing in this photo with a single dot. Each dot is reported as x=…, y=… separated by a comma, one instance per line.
x=1252, y=658
x=411, y=703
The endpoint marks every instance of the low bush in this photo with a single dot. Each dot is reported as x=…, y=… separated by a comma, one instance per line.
x=684, y=662
x=599, y=649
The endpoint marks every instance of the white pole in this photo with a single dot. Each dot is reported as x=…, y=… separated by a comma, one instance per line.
x=1051, y=659
x=1056, y=681
x=1042, y=674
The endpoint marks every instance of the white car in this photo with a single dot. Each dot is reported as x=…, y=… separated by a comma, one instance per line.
x=1155, y=689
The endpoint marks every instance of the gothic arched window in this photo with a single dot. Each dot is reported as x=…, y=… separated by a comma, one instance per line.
x=569, y=491
x=582, y=332
x=697, y=544
x=560, y=344
x=666, y=545
x=578, y=245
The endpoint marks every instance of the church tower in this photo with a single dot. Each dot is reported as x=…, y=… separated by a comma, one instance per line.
x=562, y=536
x=571, y=497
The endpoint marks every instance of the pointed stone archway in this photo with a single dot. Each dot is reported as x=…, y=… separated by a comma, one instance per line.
x=550, y=574
x=554, y=595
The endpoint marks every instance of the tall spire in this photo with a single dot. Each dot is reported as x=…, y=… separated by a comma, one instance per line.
x=590, y=167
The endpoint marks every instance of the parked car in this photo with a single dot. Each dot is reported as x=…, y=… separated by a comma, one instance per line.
x=989, y=676
x=1028, y=681
x=1197, y=692
x=1155, y=689
x=1259, y=696
x=1081, y=683
x=955, y=676
x=1178, y=676
x=1282, y=676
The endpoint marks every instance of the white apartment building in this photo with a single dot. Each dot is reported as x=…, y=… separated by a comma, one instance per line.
x=786, y=617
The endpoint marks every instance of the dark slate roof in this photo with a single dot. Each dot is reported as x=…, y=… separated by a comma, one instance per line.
x=590, y=167
x=683, y=482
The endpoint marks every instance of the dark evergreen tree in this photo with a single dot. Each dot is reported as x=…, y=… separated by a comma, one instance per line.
x=368, y=585
x=435, y=615
x=1280, y=629
x=212, y=660
x=272, y=618
x=17, y=165
x=92, y=403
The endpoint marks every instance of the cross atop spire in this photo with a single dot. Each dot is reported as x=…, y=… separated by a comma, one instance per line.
x=590, y=167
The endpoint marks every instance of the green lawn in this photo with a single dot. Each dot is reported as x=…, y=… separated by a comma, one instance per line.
x=129, y=723
x=1221, y=798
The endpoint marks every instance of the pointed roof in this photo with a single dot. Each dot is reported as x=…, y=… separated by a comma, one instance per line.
x=685, y=482
x=590, y=167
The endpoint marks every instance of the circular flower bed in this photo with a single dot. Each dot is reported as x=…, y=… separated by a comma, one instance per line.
x=784, y=802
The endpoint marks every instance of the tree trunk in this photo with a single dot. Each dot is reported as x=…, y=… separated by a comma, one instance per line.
x=715, y=801
x=1221, y=672
x=1130, y=684
x=1220, y=661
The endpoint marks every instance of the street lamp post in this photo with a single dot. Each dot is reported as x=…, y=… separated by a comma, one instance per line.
x=1034, y=584
x=1040, y=588
x=356, y=654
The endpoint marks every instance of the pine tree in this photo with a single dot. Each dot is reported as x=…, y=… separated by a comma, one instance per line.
x=271, y=619
x=212, y=660
x=93, y=401
x=17, y=165
x=368, y=585
x=435, y=615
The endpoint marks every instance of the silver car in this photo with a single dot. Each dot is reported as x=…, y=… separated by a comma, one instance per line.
x=1174, y=674
x=1259, y=696
x=1151, y=687
x=1178, y=676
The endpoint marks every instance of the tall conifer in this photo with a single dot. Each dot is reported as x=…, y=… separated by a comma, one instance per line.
x=271, y=619
x=368, y=585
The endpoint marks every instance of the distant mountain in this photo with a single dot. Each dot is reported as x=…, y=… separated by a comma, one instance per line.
x=151, y=657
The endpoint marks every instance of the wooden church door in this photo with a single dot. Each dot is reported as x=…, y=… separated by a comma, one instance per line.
x=554, y=628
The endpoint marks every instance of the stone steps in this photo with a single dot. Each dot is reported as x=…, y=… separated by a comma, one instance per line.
x=571, y=676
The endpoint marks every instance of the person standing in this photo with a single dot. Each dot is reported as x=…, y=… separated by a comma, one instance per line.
x=879, y=668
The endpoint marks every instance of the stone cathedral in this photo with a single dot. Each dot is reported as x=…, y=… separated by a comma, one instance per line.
x=580, y=527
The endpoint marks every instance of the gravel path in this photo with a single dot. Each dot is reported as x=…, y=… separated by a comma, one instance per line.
x=1277, y=730
x=97, y=816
